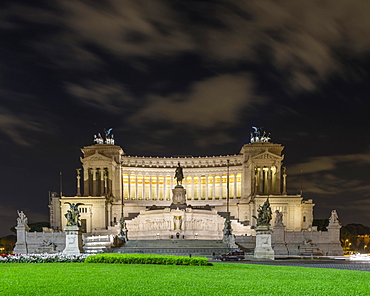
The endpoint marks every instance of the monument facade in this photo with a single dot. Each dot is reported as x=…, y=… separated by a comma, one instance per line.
x=112, y=185
x=119, y=196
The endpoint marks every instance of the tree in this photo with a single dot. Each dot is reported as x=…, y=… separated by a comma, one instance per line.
x=321, y=224
x=37, y=226
x=7, y=244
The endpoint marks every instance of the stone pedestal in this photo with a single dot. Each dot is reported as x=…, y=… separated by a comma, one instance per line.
x=263, y=248
x=178, y=197
x=334, y=246
x=21, y=245
x=278, y=240
x=73, y=240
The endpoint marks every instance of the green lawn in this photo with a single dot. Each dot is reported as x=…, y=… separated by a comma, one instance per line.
x=135, y=279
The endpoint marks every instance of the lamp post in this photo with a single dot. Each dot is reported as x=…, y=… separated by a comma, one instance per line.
x=228, y=191
x=228, y=237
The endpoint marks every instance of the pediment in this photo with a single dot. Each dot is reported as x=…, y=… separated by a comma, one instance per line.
x=267, y=155
x=97, y=157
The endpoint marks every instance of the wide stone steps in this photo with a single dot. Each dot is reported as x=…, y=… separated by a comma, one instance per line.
x=180, y=247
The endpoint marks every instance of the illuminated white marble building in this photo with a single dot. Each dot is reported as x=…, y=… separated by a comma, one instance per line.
x=112, y=184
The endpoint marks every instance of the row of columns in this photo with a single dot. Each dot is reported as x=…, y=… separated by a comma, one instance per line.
x=160, y=187
x=266, y=180
x=96, y=182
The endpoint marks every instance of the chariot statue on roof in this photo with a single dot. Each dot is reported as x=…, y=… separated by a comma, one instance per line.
x=109, y=137
x=259, y=135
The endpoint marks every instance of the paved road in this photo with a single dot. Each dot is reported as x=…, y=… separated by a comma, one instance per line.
x=336, y=264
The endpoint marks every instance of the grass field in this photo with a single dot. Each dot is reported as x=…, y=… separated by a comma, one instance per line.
x=136, y=279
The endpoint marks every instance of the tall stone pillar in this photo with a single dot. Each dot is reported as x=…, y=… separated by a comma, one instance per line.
x=105, y=182
x=101, y=182
x=94, y=181
x=213, y=187
x=269, y=181
x=78, y=182
x=86, y=181
x=284, y=181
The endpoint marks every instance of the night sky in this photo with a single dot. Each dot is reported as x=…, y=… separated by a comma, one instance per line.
x=185, y=78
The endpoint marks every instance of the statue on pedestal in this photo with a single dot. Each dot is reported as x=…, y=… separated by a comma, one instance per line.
x=279, y=218
x=73, y=230
x=179, y=176
x=264, y=214
x=109, y=138
x=179, y=192
x=259, y=135
x=123, y=230
x=22, y=218
x=22, y=227
x=263, y=249
x=333, y=217
x=73, y=214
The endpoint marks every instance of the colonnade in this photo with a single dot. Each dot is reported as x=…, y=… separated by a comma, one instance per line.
x=266, y=180
x=197, y=187
x=96, y=181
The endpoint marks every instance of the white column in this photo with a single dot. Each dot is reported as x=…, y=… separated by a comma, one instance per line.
x=157, y=187
x=235, y=186
x=269, y=180
x=143, y=188
x=199, y=187
x=214, y=187
x=136, y=187
x=284, y=181
x=78, y=182
x=221, y=187
x=101, y=170
x=94, y=181
x=207, y=195
x=129, y=186
x=261, y=181
x=150, y=188
x=192, y=188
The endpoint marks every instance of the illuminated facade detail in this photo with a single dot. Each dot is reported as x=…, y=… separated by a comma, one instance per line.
x=114, y=183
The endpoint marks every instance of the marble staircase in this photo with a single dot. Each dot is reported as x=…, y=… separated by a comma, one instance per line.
x=180, y=247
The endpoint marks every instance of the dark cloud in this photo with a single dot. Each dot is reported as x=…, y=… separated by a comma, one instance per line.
x=214, y=101
x=110, y=97
x=16, y=126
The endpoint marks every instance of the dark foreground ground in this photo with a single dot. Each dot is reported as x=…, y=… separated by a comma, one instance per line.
x=336, y=264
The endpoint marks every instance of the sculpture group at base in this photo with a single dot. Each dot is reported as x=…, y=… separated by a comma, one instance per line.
x=73, y=214
x=263, y=249
x=264, y=214
x=73, y=230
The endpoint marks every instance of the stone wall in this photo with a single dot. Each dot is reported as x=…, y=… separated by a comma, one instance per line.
x=300, y=243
